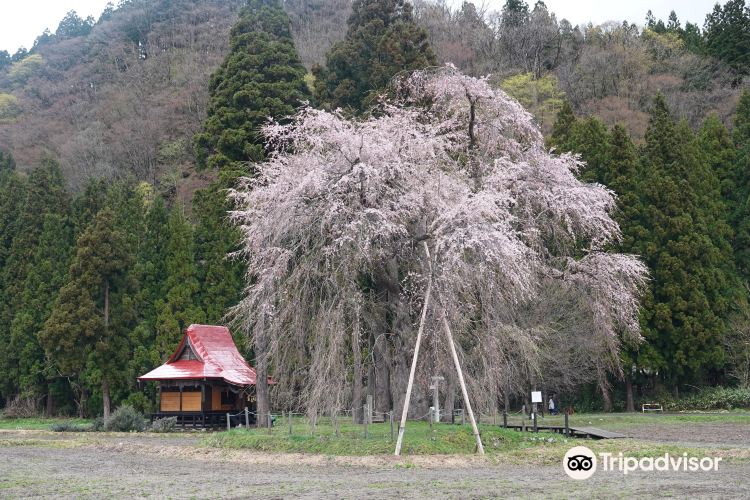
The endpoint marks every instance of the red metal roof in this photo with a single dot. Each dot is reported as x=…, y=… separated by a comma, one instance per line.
x=219, y=358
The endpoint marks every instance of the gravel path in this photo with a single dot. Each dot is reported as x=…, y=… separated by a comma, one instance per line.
x=43, y=465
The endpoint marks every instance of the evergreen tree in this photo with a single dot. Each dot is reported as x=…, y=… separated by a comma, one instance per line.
x=46, y=275
x=177, y=310
x=151, y=272
x=741, y=212
x=687, y=251
x=221, y=278
x=727, y=34
x=590, y=138
x=561, y=129
x=45, y=194
x=382, y=40
x=261, y=77
x=68, y=334
x=78, y=332
x=716, y=144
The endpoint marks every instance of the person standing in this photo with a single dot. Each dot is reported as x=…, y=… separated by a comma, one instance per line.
x=551, y=406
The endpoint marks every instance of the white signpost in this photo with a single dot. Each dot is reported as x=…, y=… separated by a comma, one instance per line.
x=536, y=397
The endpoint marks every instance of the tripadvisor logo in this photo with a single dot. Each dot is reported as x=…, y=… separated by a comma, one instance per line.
x=581, y=463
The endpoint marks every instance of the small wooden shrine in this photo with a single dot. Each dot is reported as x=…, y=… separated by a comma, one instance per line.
x=204, y=379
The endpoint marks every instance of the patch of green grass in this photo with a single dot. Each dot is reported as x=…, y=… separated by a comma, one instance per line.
x=39, y=423
x=443, y=439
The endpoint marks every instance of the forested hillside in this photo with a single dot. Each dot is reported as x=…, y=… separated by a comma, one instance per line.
x=122, y=95
x=120, y=136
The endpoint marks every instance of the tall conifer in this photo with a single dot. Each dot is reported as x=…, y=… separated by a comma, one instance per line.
x=382, y=40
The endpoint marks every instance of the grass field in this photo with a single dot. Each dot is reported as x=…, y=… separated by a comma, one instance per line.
x=444, y=438
x=38, y=423
x=449, y=439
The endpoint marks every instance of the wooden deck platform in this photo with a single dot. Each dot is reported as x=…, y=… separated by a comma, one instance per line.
x=581, y=432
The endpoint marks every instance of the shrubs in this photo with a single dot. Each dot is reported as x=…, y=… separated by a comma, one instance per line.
x=68, y=427
x=168, y=424
x=125, y=419
x=21, y=407
x=97, y=425
x=714, y=398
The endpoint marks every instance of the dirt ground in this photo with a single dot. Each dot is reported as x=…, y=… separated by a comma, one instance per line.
x=43, y=464
x=696, y=434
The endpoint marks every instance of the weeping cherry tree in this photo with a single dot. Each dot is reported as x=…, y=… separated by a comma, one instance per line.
x=518, y=247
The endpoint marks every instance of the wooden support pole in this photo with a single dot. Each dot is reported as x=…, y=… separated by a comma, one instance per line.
x=505, y=418
x=407, y=397
x=247, y=418
x=369, y=409
x=228, y=421
x=467, y=404
x=567, y=429
x=536, y=416
x=268, y=423
x=432, y=410
x=290, y=422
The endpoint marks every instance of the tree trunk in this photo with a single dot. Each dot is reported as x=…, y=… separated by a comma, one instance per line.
x=382, y=394
x=50, y=401
x=105, y=383
x=106, y=304
x=263, y=400
x=372, y=361
x=105, y=398
x=606, y=396
x=83, y=399
x=357, y=388
x=629, y=404
x=450, y=398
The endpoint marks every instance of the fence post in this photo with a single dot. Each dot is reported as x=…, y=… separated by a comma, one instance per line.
x=369, y=409
x=463, y=417
x=567, y=430
x=505, y=418
x=432, y=410
x=247, y=417
x=268, y=423
x=535, y=419
x=390, y=416
x=290, y=422
x=364, y=420
x=227, y=421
